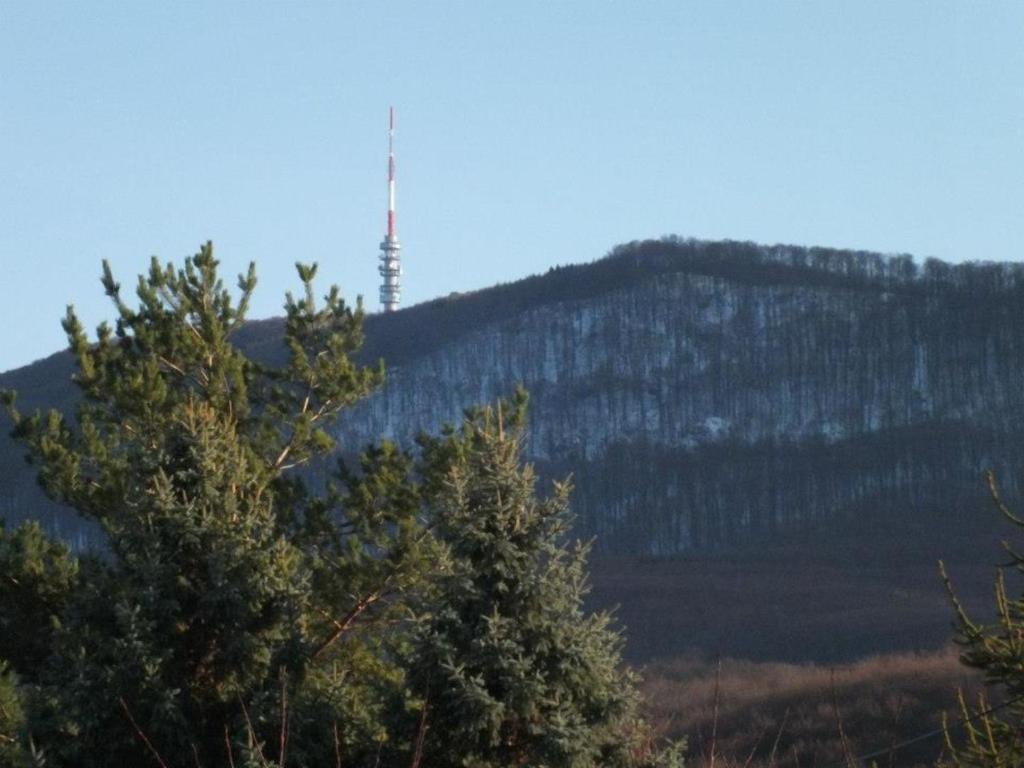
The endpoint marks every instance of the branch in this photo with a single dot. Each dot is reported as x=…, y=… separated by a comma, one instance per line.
x=342, y=625
x=322, y=410
x=279, y=464
x=195, y=330
x=227, y=743
x=253, y=740
x=421, y=731
x=851, y=762
x=282, y=456
x=284, y=722
x=718, y=679
x=141, y=735
x=177, y=369
x=993, y=489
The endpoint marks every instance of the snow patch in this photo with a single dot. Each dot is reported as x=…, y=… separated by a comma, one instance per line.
x=716, y=427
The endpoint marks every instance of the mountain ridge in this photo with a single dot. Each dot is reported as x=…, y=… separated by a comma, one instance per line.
x=701, y=367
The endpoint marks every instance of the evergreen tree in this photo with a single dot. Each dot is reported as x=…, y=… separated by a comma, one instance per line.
x=12, y=722
x=511, y=670
x=420, y=611
x=37, y=576
x=994, y=729
x=224, y=623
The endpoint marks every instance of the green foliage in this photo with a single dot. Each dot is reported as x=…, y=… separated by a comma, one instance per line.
x=37, y=575
x=993, y=735
x=12, y=721
x=510, y=668
x=229, y=609
x=412, y=608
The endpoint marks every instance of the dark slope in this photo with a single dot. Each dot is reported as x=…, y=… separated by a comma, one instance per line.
x=787, y=410
x=684, y=387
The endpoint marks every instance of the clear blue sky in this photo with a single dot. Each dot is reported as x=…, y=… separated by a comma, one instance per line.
x=530, y=134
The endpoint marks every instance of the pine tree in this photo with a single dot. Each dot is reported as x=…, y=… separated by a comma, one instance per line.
x=511, y=670
x=222, y=623
x=37, y=576
x=414, y=610
x=994, y=737
x=12, y=722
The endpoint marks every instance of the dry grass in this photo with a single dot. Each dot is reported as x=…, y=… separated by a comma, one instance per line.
x=792, y=708
x=863, y=606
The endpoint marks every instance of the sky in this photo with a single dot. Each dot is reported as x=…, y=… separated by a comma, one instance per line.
x=529, y=134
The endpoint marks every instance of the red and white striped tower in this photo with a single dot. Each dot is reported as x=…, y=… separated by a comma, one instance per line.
x=390, y=251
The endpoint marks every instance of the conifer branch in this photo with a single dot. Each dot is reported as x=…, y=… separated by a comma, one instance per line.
x=177, y=369
x=993, y=489
x=342, y=626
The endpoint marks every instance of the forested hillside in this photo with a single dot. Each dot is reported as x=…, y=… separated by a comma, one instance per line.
x=705, y=395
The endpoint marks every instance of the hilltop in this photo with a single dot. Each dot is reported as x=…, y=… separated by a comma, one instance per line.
x=746, y=414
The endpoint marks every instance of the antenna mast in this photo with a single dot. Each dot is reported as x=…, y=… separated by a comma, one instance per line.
x=390, y=250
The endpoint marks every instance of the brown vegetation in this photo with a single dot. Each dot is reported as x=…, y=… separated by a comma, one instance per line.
x=860, y=629
x=787, y=715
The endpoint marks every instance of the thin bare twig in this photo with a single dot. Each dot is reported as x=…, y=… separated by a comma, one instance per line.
x=778, y=737
x=255, y=742
x=895, y=727
x=753, y=750
x=141, y=735
x=421, y=732
x=282, y=751
x=981, y=714
x=848, y=757
x=337, y=746
x=227, y=744
x=700, y=745
x=714, y=718
x=282, y=456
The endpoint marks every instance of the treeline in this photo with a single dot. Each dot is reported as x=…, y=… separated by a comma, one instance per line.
x=420, y=329
x=779, y=343
x=643, y=498
x=706, y=411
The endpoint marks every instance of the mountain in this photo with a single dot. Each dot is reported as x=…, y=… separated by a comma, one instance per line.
x=710, y=396
x=703, y=394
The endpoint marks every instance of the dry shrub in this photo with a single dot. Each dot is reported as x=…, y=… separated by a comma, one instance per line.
x=882, y=701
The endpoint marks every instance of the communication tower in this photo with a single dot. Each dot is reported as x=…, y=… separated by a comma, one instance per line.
x=390, y=250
